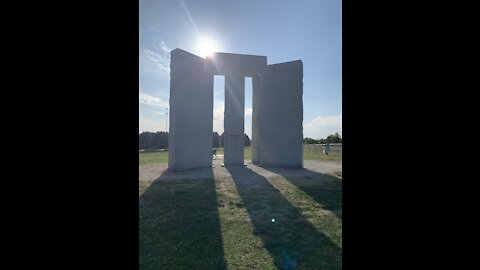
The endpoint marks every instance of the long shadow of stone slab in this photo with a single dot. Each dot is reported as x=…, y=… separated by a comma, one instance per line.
x=291, y=239
x=323, y=188
x=179, y=225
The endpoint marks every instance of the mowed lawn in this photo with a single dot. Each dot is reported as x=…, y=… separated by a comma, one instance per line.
x=310, y=152
x=242, y=221
x=315, y=152
x=145, y=158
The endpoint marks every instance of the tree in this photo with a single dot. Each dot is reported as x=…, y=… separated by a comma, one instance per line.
x=308, y=140
x=216, y=140
x=150, y=140
x=144, y=140
x=334, y=138
x=159, y=140
x=246, y=140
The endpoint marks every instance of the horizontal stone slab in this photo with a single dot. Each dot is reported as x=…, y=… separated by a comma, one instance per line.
x=236, y=64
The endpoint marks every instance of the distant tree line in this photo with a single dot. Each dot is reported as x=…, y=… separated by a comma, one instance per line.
x=333, y=138
x=159, y=140
x=150, y=140
x=218, y=140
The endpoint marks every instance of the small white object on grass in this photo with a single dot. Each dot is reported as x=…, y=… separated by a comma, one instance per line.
x=273, y=220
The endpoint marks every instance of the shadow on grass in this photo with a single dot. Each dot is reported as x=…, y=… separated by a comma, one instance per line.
x=291, y=240
x=179, y=225
x=327, y=192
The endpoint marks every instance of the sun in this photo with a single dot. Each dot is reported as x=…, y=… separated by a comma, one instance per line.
x=207, y=46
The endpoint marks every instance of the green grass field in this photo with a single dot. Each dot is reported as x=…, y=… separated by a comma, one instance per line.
x=227, y=223
x=310, y=152
x=315, y=152
x=152, y=158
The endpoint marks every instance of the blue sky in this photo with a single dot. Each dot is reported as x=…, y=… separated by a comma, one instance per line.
x=308, y=30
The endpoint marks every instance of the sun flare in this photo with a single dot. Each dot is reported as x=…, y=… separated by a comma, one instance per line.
x=207, y=46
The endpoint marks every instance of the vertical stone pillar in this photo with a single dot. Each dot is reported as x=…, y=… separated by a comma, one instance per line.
x=256, y=125
x=191, y=112
x=281, y=115
x=234, y=119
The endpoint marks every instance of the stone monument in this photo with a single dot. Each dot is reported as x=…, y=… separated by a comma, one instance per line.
x=277, y=130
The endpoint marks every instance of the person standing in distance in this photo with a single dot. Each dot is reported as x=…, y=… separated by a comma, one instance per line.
x=326, y=148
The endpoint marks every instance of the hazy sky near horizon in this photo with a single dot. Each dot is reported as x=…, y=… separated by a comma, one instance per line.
x=307, y=30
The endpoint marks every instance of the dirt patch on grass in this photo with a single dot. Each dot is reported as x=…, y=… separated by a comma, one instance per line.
x=153, y=171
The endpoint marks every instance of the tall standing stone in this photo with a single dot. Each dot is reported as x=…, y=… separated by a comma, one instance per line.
x=191, y=112
x=280, y=119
